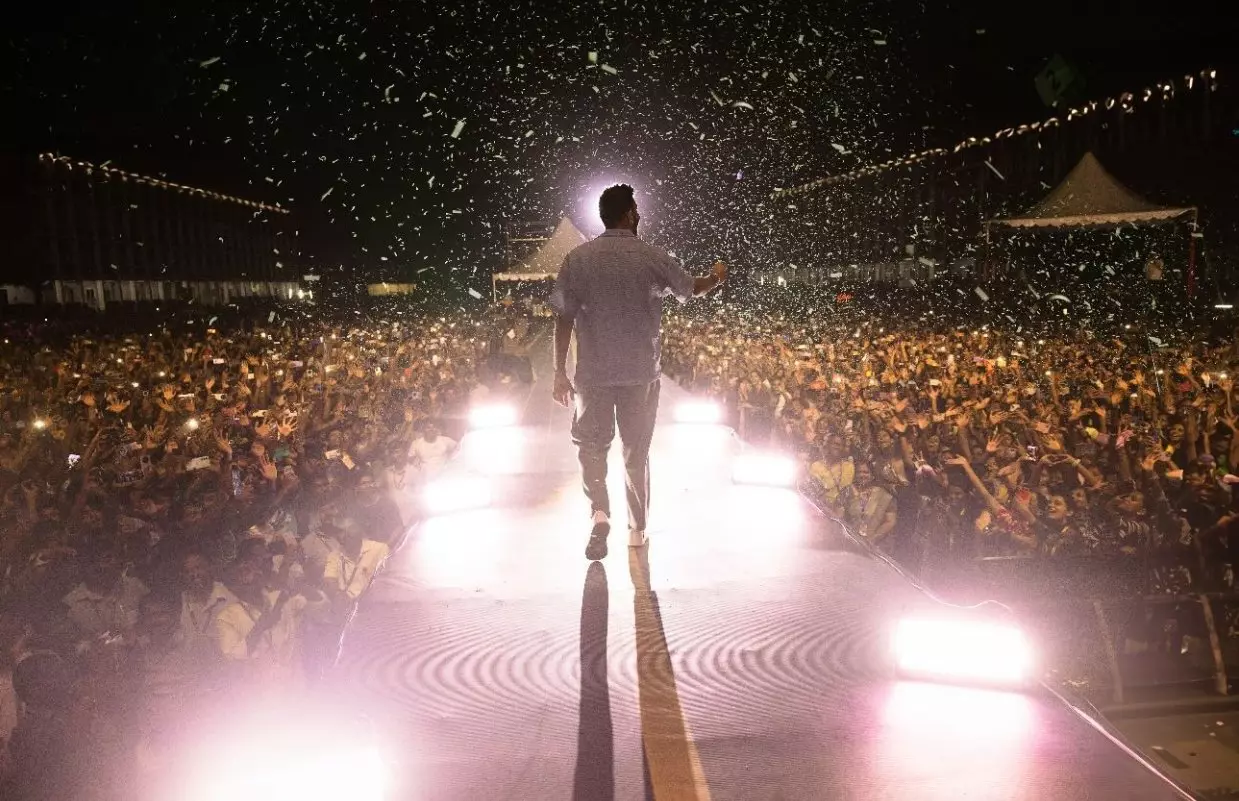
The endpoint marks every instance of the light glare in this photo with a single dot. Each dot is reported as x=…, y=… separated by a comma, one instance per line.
x=498, y=451
x=283, y=774
x=992, y=653
x=699, y=412
x=764, y=469
x=493, y=416
x=457, y=494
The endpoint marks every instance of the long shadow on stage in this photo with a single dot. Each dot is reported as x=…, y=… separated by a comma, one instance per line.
x=669, y=760
x=594, y=778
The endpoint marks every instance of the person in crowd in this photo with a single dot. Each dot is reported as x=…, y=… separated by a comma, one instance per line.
x=202, y=599
x=869, y=507
x=429, y=453
x=350, y=569
x=263, y=629
x=106, y=601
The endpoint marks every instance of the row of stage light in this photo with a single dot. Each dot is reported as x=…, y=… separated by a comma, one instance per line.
x=976, y=646
x=492, y=448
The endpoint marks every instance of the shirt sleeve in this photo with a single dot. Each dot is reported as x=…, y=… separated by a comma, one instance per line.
x=672, y=278
x=228, y=636
x=331, y=571
x=565, y=299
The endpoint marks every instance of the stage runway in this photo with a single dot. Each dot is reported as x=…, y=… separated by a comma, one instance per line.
x=739, y=656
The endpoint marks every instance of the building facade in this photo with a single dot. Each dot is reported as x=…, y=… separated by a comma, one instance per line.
x=95, y=235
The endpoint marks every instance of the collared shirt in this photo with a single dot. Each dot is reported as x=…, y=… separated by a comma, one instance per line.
x=354, y=577
x=318, y=548
x=834, y=477
x=197, y=632
x=235, y=621
x=613, y=289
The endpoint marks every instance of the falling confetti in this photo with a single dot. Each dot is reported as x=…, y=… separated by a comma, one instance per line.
x=554, y=107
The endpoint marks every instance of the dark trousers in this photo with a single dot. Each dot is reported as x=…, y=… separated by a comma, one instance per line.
x=597, y=411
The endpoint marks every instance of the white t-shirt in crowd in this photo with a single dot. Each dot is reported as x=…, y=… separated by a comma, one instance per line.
x=433, y=455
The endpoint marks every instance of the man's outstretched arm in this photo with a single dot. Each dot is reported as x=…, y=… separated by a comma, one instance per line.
x=703, y=285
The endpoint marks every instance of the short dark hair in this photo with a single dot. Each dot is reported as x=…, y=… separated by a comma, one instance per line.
x=615, y=202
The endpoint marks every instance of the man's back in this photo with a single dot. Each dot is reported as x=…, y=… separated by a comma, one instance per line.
x=613, y=287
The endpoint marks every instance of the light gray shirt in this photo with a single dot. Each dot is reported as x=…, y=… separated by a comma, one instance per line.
x=613, y=289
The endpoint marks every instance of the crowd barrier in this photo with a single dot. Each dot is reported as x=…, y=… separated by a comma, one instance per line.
x=1102, y=628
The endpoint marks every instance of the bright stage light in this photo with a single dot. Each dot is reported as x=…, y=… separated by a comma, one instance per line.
x=764, y=469
x=977, y=651
x=699, y=412
x=287, y=754
x=493, y=416
x=449, y=495
x=495, y=451
x=281, y=774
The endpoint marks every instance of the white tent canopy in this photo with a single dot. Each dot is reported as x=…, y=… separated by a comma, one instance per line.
x=1090, y=196
x=545, y=263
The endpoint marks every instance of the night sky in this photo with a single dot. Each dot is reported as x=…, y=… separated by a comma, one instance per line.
x=404, y=133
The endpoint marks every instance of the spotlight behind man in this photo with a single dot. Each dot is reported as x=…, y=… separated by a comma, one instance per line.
x=611, y=291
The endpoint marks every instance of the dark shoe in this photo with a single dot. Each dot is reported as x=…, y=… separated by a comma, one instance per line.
x=597, y=547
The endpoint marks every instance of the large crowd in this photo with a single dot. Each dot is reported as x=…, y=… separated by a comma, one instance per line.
x=190, y=509
x=192, y=512
x=958, y=443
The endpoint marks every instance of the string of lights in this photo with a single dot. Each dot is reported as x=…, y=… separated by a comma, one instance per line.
x=112, y=172
x=1127, y=101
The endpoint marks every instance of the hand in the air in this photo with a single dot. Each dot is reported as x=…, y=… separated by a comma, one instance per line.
x=720, y=271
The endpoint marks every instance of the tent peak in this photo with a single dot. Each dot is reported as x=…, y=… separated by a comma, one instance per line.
x=1090, y=195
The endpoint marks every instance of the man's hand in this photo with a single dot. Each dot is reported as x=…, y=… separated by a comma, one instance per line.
x=563, y=390
x=720, y=271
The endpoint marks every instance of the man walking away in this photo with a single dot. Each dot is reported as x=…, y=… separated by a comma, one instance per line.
x=611, y=290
